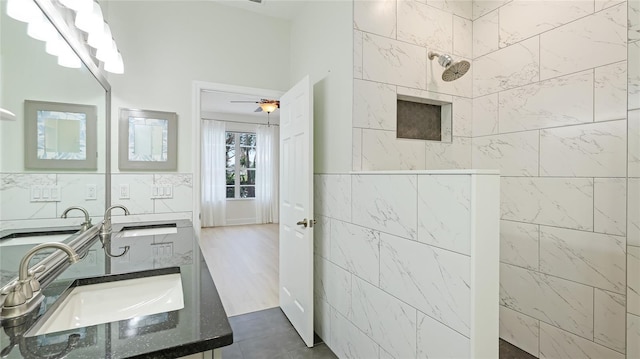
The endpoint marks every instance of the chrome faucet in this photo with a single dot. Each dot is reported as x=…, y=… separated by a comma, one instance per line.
x=106, y=224
x=24, y=294
x=87, y=220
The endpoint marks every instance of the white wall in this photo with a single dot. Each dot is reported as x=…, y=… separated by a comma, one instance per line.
x=321, y=49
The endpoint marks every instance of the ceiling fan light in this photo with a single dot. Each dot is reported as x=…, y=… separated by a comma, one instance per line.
x=268, y=107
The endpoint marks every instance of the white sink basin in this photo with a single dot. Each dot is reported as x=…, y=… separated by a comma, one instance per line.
x=140, y=232
x=100, y=303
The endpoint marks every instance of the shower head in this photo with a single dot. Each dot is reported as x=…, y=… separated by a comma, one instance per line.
x=452, y=70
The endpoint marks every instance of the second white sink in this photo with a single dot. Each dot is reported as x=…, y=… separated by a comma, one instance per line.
x=113, y=301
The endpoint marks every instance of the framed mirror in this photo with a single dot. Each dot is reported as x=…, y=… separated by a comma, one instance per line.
x=60, y=135
x=147, y=140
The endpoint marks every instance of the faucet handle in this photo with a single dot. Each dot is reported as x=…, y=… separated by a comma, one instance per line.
x=15, y=297
x=33, y=282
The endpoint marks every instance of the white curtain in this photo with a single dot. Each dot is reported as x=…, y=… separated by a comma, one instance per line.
x=213, y=170
x=267, y=171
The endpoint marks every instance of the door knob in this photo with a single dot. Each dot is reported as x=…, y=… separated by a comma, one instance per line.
x=303, y=223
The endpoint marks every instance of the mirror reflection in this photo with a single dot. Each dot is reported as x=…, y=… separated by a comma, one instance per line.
x=33, y=200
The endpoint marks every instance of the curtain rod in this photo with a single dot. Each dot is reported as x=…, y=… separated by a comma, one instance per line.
x=248, y=123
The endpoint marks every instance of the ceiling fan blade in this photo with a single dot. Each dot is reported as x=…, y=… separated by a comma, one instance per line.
x=259, y=109
x=244, y=101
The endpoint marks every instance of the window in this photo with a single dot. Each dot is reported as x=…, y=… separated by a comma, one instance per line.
x=241, y=164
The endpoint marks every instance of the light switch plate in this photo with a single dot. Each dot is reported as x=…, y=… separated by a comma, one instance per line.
x=91, y=192
x=124, y=191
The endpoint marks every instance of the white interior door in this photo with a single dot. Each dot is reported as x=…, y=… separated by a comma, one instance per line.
x=296, y=208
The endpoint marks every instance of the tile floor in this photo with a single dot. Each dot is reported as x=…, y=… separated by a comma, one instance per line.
x=267, y=334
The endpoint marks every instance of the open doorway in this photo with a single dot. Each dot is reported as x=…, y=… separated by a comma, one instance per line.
x=238, y=226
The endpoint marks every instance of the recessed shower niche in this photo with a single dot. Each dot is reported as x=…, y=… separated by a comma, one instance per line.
x=423, y=119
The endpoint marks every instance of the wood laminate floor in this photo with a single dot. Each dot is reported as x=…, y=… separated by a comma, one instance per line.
x=243, y=261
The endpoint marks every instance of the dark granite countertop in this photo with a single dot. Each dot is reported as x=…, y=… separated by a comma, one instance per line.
x=201, y=325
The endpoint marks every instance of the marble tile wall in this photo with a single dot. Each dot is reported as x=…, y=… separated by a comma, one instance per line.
x=391, y=42
x=393, y=274
x=550, y=111
x=633, y=181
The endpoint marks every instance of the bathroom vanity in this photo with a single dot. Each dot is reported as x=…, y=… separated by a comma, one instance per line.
x=195, y=330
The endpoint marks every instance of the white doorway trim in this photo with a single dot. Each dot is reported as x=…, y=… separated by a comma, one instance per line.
x=197, y=88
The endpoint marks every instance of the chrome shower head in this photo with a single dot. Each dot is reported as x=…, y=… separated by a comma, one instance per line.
x=452, y=70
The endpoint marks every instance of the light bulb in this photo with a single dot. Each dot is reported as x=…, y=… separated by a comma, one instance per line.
x=77, y=5
x=100, y=39
x=55, y=45
x=41, y=29
x=105, y=53
x=90, y=20
x=68, y=58
x=23, y=10
x=115, y=65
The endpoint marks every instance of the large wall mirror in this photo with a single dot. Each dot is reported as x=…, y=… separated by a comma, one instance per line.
x=33, y=198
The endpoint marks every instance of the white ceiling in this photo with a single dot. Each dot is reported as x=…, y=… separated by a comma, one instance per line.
x=283, y=9
x=218, y=104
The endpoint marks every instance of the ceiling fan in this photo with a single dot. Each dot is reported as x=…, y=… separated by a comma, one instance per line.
x=264, y=105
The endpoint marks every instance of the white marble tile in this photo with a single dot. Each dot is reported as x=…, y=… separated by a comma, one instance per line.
x=463, y=8
x=610, y=100
x=633, y=280
x=519, y=244
x=357, y=54
x=608, y=322
x=481, y=7
x=454, y=155
x=73, y=192
x=556, y=343
x=422, y=94
x=462, y=117
x=356, y=153
x=462, y=37
x=322, y=236
x=486, y=34
x=381, y=150
x=592, y=41
x=590, y=258
x=564, y=202
x=603, y=4
x=15, y=196
x=349, y=342
x=375, y=16
x=633, y=75
x=520, y=330
x=444, y=211
x=394, y=207
x=356, y=249
x=591, y=150
x=393, y=62
x=510, y=67
x=385, y=355
x=320, y=276
x=485, y=115
x=374, y=105
x=633, y=17
x=435, y=281
x=388, y=321
x=633, y=212
x=332, y=196
x=514, y=154
x=521, y=19
x=561, y=101
x=322, y=319
x=609, y=205
x=140, y=185
x=436, y=340
x=425, y=26
x=565, y=304
x=336, y=283
x=633, y=123
x=182, y=189
x=460, y=87
x=633, y=336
